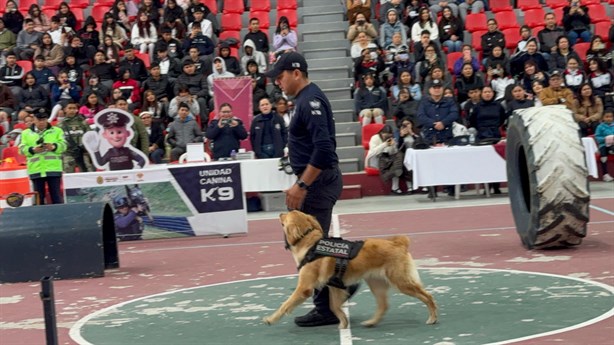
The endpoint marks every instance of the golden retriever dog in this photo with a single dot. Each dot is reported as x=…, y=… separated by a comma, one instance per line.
x=380, y=262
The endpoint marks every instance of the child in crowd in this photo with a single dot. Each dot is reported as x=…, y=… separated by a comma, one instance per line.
x=605, y=138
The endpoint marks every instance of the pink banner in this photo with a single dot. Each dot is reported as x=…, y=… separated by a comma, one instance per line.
x=238, y=93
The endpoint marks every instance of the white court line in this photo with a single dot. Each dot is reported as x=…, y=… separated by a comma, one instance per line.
x=439, y=232
x=345, y=335
x=75, y=330
x=602, y=210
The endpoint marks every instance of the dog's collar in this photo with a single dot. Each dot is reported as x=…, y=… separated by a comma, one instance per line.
x=288, y=244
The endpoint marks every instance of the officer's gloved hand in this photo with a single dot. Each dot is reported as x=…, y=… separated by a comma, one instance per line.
x=91, y=141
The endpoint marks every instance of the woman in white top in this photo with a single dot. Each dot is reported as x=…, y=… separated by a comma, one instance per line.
x=425, y=22
x=364, y=42
x=144, y=35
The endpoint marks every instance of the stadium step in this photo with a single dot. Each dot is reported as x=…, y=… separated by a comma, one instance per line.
x=328, y=72
x=323, y=26
x=344, y=62
x=353, y=191
x=322, y=53
x=339, y=104
x=337, y=93
x=345, y=139
x=353, y=152
x=323, y=35
x=319, y=3
x=333, y=83
x=347, y=165
x=316, y=10
x=331, y=43
x=349, y=127
x=323, y=17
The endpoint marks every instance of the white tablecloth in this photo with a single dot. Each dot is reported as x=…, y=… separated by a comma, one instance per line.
x=470, y=164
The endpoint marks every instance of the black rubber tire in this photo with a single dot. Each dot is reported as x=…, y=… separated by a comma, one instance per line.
x=547, y=177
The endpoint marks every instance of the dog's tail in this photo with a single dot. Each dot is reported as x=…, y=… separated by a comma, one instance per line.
x=402, y=241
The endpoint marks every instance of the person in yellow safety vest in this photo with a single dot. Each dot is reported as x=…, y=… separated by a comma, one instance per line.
x=43, y=144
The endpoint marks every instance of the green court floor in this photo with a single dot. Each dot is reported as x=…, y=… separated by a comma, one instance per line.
x=476, y=306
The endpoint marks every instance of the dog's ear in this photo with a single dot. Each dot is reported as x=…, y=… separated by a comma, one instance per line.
x=282, y=217
x=313, y=222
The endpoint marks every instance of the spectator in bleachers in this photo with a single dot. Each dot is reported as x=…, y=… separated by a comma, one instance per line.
x=92, y=105
x=197, y=39
x=134, y=63
x=104, y=70
x=183, y=131
x=548, y=36
x=67, y=18
x=576, y=22
x=94, y=85
x=436, y=115
x=431, y=59
x=202, y=63
x=475, y=97
x=75, y=72
x=260, y=39
x=604, y=135
x=531, y=73
x=469, y=58
x=397, y=5
x=468, y=79
x=158, y=84
x=58, y=33
x=198, y=86
x=40, y=20
x=407, y=106
x=385, y=155
x=558, y=59
x=257, y=95
x=250, y=53
x=361, y=24
x=598, y=49
x=144, y=34
x=62, y=90
x=405, y=81
x=437, y=6
x=517, y=61
x=27, y=41
x=520, y=100
x=281, y=107
x=488, y=116
x=363, y=42
x=589, y=110
x=557, y=93
x=170, y=67
x=88, y=35
x=151, y=9
x=130, y=88
x=252, y=71
x=232, y=63
x=440, y=73
x=156, y=137
x=476, y=6
x=499, y=79
x=110, y=50
x=537, y=88
x=183, y=96
x=155, y=108
x=573, y=76
x=33, y=96
x=411, y=13
x=370, y=101
x=285, y=39
x=450, y=31
x=11, y=74
x=225, y=132
x=497, y=61
x=397, y=56
x=355, y=7
x=420, y=46
x=7, y=40
x=112, y=28
x=120, y=12
x=205, y=24
x=44, y=76
x=12, y=18
x=53, y=53
x=525, y=35
x=174, y=18
x=425, y=22
x=492, y=38
x=207, y=14
x=268, y=134
x=371, y=62
x=392, y=25
x=600, y=78
x=174, y=45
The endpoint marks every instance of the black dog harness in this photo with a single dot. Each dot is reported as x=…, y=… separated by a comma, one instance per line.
x=343, y=251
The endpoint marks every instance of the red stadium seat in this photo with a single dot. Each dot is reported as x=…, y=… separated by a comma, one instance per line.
x=26, y=65
x=370, y=171
x=598, y=13
x=79, y=3
x=233, y=6
x=51, y=4
x=261, y=5
x=556, y=3
x=291, y=15
x=581, y=49
x=506, y=20
x=537, y=29
x=231, y=21
x=212, y=5
x=602, y=29
x=78, y=12
x=476, y=22
x=512, y=37
x=558, y=14
x=24, y=5
x=368, y=131
x=263, y=17
x=500, y=5
x=98, y=12
x=451, y=60
x=145, y=57
x=230, y=34
x=287, y=5
x=13, y=152
x=476, y=40
x=534, y=18
x=50, y=12
x=591, y=2
x=528, y=4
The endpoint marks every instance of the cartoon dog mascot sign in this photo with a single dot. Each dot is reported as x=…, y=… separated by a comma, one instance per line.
x=114, y=152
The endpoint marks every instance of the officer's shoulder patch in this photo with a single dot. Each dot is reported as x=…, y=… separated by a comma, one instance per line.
x=315, y=104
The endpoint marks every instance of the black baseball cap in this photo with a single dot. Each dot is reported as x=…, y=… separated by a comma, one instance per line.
x=287, y=62
x=556, y=73
x=436, y=83
x=41, y=114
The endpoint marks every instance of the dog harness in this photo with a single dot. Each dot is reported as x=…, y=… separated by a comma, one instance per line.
x=343, y=251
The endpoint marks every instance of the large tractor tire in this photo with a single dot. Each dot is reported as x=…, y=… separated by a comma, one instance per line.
x=547, y=177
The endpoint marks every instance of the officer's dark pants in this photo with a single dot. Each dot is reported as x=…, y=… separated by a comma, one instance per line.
x=321, y=197
x=54, y=188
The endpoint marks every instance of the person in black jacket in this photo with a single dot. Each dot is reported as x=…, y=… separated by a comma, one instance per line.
x=105, y=71
x=175, y=49
x=159, y=84
x=156, y=137
x=407, y=107
x=576, y=22
x=492, y=38
x=232, y=63
x=94, y=85
x=169, y=66
x=259, y=38
x=138, y=71
x=519, y=100
x=82, y=53
x=468, y=80
x=12, y=18
x=268, y=133
x=226, y=132
x=197, y=39
x=89, y=35
x=33, y=96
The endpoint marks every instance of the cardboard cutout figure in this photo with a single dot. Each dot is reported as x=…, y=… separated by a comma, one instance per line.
x=115, y=127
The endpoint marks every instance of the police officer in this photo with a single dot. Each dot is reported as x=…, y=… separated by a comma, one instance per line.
x=43, y=144
x=311, y=143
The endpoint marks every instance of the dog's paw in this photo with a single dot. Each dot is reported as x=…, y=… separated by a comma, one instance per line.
x=431, y=321
x=268, y=320
x=369, y=323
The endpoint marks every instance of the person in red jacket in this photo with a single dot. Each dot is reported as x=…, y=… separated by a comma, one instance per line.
x=129, y=88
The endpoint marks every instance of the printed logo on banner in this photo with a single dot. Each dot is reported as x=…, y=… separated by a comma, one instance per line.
x=214, y=188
